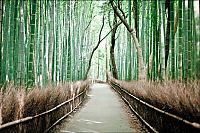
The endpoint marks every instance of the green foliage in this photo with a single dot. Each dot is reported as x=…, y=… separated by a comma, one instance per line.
x=41, y=42
x=159, y=23
x=50, y=41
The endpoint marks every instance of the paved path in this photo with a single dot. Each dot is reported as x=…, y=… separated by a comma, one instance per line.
x=102, y=113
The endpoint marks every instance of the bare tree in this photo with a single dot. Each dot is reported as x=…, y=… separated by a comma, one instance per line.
x=94, y=49
x=142, y=68
x=112, y=48
x=98, y=43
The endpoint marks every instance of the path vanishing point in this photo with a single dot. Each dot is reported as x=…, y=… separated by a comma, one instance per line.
x=103, y=112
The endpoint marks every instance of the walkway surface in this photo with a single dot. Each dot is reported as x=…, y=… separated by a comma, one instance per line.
x=103, y=112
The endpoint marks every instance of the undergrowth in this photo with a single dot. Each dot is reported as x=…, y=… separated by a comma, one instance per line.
x=174, y=97
x=16, y=103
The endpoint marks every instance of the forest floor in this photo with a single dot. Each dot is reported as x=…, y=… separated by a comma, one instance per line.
x=104, y=111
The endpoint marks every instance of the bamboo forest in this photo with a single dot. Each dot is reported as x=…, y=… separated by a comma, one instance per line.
x=99, y=66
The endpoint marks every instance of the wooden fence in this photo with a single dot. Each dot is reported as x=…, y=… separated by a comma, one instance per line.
x=45, y=121
x=155, y=119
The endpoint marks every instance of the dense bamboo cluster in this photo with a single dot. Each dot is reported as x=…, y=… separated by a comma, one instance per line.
x=168, y=33
x=50, y=41
x=44, y=41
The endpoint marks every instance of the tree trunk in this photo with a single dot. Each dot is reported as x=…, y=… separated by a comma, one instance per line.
x=1, y=81
x=21, y=58
x=180, y=28
x=129, y=48
x=190, y=45
x=112, y=48
x=1, y=18
x=31, y=78
x=142, y=68
x=167, y=39
x=136, y=17
x=162, y=46
x=51, y=43
x=185, y=39
x=172, y=42
x=95, y=48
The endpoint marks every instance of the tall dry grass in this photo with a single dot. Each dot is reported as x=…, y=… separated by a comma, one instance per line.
x=16, y=103
x=175, y=97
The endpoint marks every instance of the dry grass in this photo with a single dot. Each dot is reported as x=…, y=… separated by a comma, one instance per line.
x=175, y=97
x=16, y=103
x=10, y=107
